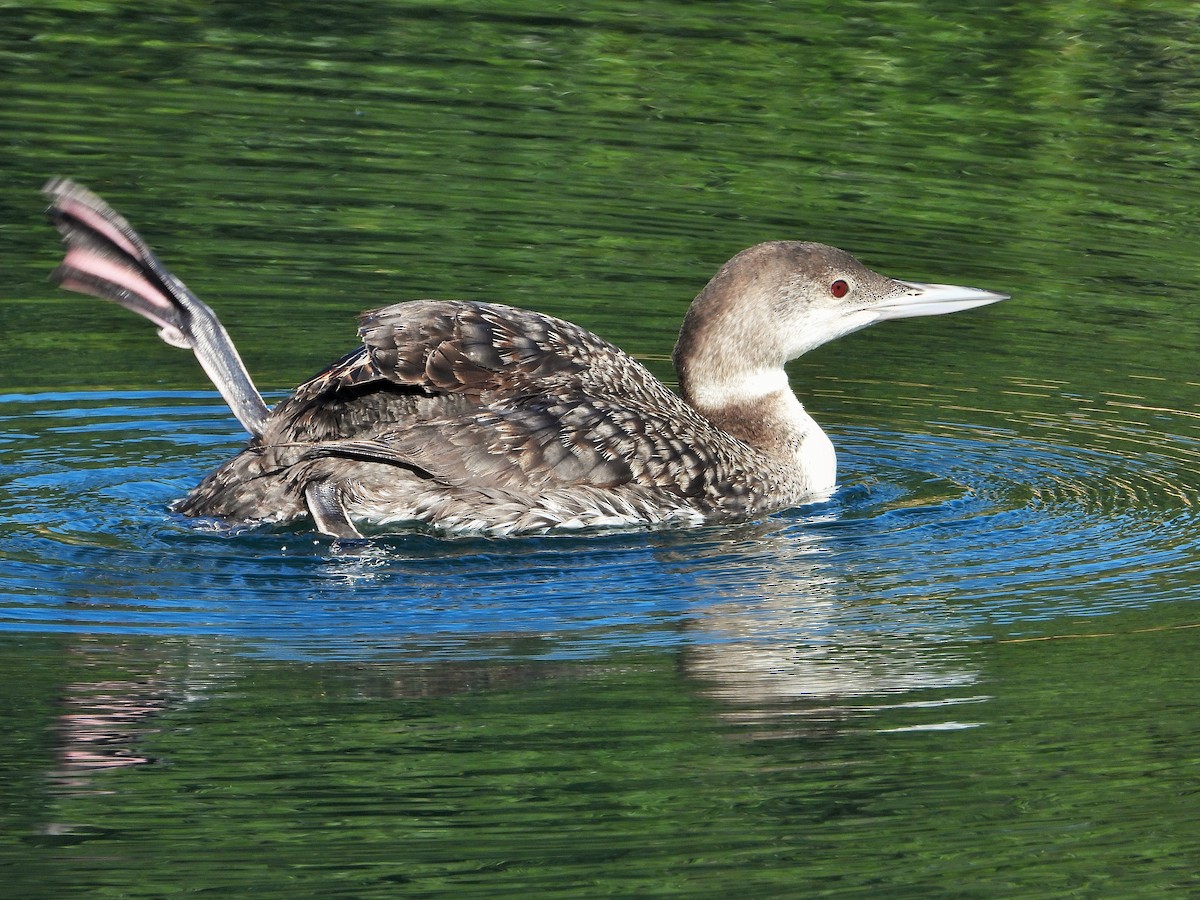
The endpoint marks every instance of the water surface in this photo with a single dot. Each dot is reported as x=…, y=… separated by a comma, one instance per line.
x=971, y=672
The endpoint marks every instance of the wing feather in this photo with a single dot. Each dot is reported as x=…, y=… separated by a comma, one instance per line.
x=483, y=394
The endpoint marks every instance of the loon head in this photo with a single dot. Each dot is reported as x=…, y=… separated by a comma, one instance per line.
x=778, y=300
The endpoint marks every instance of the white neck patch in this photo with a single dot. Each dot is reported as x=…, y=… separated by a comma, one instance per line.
x=746, y=388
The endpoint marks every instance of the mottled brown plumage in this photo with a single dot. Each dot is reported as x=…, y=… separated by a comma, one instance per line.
x=478, y=417
x=456, y=406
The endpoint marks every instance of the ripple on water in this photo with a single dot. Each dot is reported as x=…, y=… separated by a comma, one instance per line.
x=935, y=535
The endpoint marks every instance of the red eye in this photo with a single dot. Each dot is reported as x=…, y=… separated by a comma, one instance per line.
x=839, y=288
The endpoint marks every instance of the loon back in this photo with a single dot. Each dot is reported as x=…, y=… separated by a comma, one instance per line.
x=484, y=417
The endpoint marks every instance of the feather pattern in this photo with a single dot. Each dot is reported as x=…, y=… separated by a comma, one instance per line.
x=453, y=407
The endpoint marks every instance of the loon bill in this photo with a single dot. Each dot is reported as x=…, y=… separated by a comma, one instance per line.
x=478, y=417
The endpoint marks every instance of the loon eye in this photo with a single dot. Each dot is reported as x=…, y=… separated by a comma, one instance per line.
x=839, y=288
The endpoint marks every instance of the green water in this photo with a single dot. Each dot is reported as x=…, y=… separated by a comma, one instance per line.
x=973, y=674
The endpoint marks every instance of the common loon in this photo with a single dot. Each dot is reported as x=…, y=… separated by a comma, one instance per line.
x=477, y=417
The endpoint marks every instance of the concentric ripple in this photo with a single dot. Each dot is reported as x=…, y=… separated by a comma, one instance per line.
x=1024, y=529
x=942, y=534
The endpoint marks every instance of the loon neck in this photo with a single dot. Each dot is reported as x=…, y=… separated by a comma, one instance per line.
x=757, y=407
x=731, y=371
x=772, y=422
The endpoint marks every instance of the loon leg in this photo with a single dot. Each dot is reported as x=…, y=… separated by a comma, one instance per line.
x=108, y=259
x=325, y=505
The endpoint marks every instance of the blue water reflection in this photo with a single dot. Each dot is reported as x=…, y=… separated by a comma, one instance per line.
x=936, y=537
